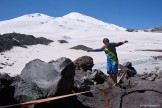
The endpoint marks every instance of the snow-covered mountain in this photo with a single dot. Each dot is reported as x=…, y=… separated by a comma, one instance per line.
x=90, y=20
x=37, y=24
x=77, y=29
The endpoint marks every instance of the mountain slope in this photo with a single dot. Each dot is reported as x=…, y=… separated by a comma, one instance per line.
x=40, y=24
x=88, y=19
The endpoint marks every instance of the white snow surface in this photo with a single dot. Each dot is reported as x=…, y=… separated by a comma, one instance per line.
x=77, y=29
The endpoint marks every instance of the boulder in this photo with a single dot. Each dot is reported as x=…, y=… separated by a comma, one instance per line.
x=150, y=76
x=160, y=75
x=62, y=41
x=144, y=94
x=5, y=79
x=25, y=91
x=98, y=76
x=80, y=86
x=6, y=92
x=84, y=62
x=40, y=79
x=83, y=80
x=81, y=47
x=7, y=41
x=127, y=64
x=130, y=70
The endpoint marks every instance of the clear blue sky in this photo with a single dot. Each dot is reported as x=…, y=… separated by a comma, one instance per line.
x=125, y=13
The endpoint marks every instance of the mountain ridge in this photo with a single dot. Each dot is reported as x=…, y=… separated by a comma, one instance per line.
x=73, y=16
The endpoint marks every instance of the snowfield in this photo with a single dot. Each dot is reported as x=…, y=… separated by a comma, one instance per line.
x=77, y=29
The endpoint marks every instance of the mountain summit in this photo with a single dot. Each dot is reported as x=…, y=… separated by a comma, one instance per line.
x=88, y=19
x=41, y=24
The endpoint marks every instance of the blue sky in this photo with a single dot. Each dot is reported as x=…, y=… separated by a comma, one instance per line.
x=125, y=13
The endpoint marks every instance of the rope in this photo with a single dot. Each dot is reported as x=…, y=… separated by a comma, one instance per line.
x=25, y=104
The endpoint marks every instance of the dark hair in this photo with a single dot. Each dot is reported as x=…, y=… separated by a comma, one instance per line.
x=105, y=40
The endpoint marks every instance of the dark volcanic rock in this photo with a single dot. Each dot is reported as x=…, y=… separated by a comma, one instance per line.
x=84, y=62
x=145, y=93
x=62, y=41
x=154, y=30
x=85, y=76
x=41, y=80
x=7, y=41
x=84, y=79
x=81, y=47
x=157, y=57
x=132, y=30
x=26, y=91
x=131, y=71
x=6, y=92
x=80, y=86
x=150, y=76
x=157, y=29
x=98, y=76
x=5, y=79
x=141, y=92
x=153, y=50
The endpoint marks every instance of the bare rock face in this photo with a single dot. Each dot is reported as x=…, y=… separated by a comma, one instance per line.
x=81, y=47
x=144, y=94
x=84, y=62
x=83, y=80
x=40, y=80
x=7, y=41
x=130, y=70
x=6, y=92
x=25, y=91
x=62, y=41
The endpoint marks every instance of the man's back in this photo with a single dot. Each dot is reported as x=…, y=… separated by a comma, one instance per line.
x=112, y=49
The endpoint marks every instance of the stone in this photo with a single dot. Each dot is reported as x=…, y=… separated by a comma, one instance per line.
x=40, y=80
x=26, y=91
x=7, y=41
x=6, y=92
x=130, y=70
x=62, y=41
x=98, y=76
x=84, y=62
x=81, y=47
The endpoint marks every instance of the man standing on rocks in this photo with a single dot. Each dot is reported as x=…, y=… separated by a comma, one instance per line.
x=112, y=58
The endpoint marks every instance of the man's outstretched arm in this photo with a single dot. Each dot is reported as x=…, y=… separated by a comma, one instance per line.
x=120, y=43
x=96, y=50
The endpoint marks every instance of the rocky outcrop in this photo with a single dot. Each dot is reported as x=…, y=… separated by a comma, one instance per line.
x=157, y=57
x=84, y=79
x=25, y=91
x=132, y=93
x=6, y=91
x=81, y=47
x=62, y=41
x=40, y=80
x=157, y=30
x=7, y=41
x=152, y=76
x=84, y=62
x=131, y=71
x=143, y=94
x=154, y=30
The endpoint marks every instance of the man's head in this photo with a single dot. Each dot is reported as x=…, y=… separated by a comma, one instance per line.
x=106, y=41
